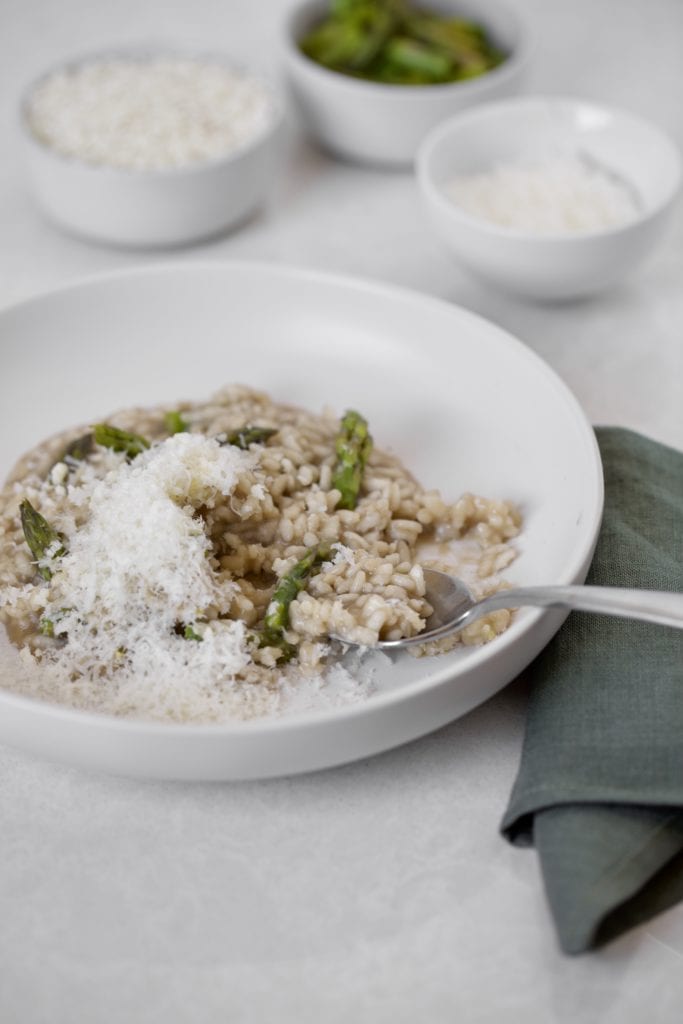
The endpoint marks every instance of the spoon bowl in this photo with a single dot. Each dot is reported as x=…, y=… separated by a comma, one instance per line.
x=454, y=607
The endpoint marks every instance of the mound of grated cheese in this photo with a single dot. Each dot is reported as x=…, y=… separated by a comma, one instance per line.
x=558, y=195
x=139, y=567
x=132, y=573
x=149, y=114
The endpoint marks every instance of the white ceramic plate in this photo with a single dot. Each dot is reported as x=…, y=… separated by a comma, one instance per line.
x=463, y=403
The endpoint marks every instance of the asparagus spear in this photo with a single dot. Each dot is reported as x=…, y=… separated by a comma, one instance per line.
x=351, y=40
x=244, y=436
x=77, y=450
x=413, y=57
x=353, y=447
x=463, y=42
x=119, y=440
x=191, y=634
x=277, y=614
x=398, y=42
x=174, y=422
x=343, y=8
x=51, y=627
x=42, y=539
x=187, y=631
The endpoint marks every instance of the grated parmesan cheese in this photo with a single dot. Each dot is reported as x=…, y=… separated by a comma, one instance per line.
x=137, y=568
x=559, y=195
x=149, y=114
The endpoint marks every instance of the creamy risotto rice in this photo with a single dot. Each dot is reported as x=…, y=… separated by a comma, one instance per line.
x=153, y=596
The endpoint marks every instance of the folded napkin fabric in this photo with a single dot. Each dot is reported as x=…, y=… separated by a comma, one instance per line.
x=600, y=786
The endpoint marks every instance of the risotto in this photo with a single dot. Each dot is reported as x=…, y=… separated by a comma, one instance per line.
x=192, y=563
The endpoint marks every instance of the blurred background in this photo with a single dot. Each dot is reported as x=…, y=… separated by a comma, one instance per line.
x=335, y=216
x=625, y=53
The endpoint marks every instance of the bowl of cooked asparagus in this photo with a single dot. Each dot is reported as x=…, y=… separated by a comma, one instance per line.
x=371, y=78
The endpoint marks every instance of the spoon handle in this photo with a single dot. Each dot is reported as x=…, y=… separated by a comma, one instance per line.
x=658, y=606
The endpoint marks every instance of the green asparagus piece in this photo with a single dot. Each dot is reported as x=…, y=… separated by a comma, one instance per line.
x=190, y=634
x=277, y=615
x=463, y=42
x=187, y=631
x=344, y=8
x=351, y=42
x=51, y=627
x=455, y=37
x=353, y=447
x=395, y=42
x=42, y=539
x=174, y=423
x=77, y=450
x=119, y=440
x=247, y=435
x=412, y=56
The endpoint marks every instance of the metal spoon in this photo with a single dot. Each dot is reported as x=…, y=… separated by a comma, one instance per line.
x=454, y=607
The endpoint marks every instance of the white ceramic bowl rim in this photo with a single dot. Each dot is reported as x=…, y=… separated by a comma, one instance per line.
x=484, y=111
x=506, y=69
x=141, y=53
x=267, y=726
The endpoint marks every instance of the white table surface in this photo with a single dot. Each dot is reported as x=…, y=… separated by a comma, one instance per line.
x=381, y=891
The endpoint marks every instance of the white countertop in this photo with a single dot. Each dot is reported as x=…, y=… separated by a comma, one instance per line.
x=379, y=892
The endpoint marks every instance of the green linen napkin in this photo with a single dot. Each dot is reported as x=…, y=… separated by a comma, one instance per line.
x=600, y=786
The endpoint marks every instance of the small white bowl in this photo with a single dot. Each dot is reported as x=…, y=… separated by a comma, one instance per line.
x=375, y=123
x=151, y=208
x=557, y=266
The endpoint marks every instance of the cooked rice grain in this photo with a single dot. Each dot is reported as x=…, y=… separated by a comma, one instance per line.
x=281, y=505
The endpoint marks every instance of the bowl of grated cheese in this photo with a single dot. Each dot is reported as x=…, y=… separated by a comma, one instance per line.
x=549, y=198
x=150, y=149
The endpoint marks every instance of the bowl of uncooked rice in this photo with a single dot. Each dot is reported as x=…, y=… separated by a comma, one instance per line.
x=208, y=561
